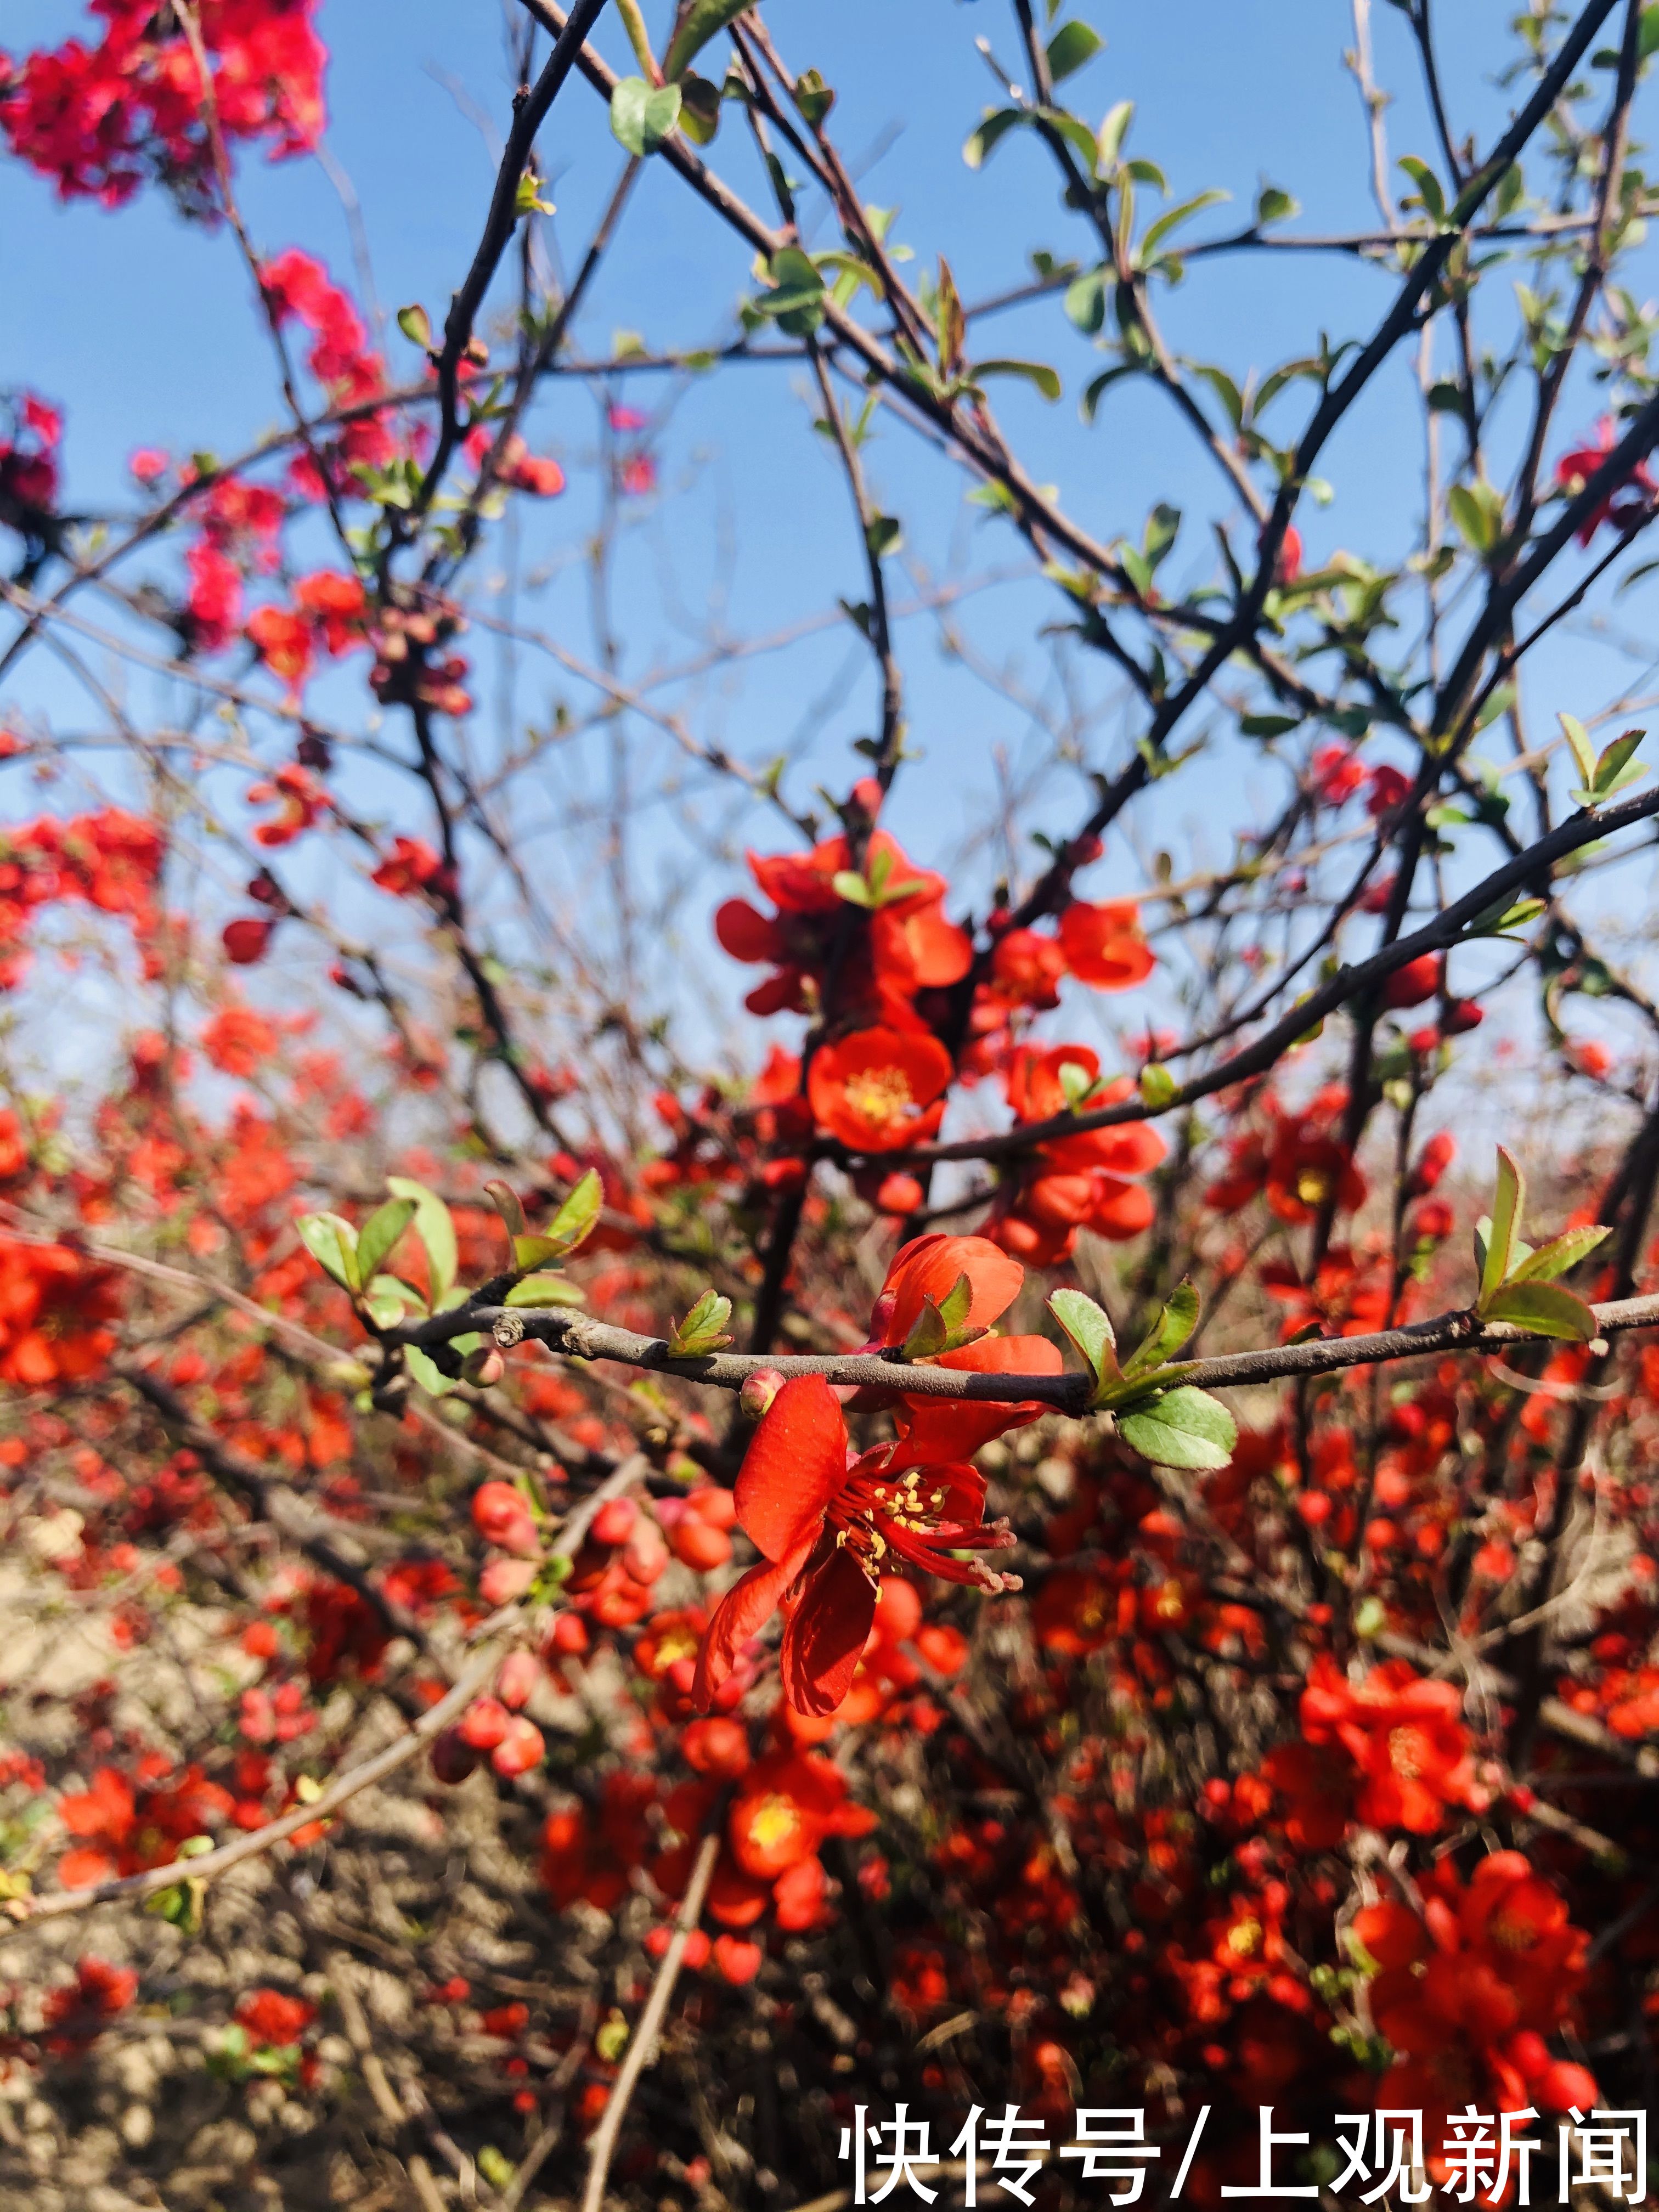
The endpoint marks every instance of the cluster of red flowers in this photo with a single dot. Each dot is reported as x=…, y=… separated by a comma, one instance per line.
x=1467, y=1992
x=328, y=615
x=858, y=941
x=111, y=860
x=31, y=433
x=101, y=120
x=56, y=1309
x=123, y=1825
x=298, y=288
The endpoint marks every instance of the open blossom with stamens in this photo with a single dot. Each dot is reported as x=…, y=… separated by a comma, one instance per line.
x=827, y=1524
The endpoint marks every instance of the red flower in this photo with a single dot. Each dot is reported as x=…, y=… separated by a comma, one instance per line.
x=271, y=2016
x=55, y=1308
x=1574, y=469
x=1072, y=1183
x=876, y=1090
x=77, y=2013
x=1407, y=1738
x=1103, y=946
x=882, y=955
x=826, y=1527
x=246, y=939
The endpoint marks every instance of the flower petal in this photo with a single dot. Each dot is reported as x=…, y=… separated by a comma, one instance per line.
x=742, y=1612
x=826, y=1635
x=795, y=1463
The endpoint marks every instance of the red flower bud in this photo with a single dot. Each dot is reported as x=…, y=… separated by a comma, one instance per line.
x=520, y=1749
x=614, y=1521
x=484, y=1723
x=453, y=1758
x=517, y=1680
x=758, y=1391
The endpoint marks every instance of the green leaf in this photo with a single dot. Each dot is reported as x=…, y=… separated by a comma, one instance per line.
x=545, y=1291
x=578, y=1216
x=700, y=110
x=1090, y=1329
x=423, y=1370
x=957, y=1304
x=1184, y=1428
x=1173, y=1326
x=332, y=1243
x=380, y=1233
x=1272, y=205
x=1109, y=139
x=1584, y=751
x=1073, y=45
x=1038, y=373
x=1556, y=1257
x=1096, y=392
x=1157, y=232
x=643, y=114
x=1428, y=187
x=847, y=884
x=705, y=19
x=436, y=1230
x=884, y=535
x=813, y=96
x=415, y=325
x=1478, y=511
x=997, y=124
x=1545, y=1308
x=1085, y=300
x=1076, y=133
x=508, y=1203
x=704, y=1330
x=1508, y=1206
x=1157, y=1086
x=1611, y=770
x=796, y=299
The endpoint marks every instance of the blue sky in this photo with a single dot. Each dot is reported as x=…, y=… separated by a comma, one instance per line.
x=140, y=325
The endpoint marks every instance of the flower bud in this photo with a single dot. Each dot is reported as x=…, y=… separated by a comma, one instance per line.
x=520, y=1749
x=758, y=1391
x=484, y=1723
x=614, y=1521
x=516, y=1681
x=453, y=1758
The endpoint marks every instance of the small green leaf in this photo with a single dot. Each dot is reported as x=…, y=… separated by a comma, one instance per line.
x=1612, y=770
x=1478, y=511
x=1185, y=1428
x=1508, y=1207
x=579, y=1216
x=1172, y=217
x=705, y=19
x=436, y=1230
x=643, y=114
x=380, y=1233
x=700, y=110
x=1073, y=46
x=332, y=1243
x=425, y=1372
x=1038, y=373
x=1157, y=1086
x=1556, y=1257
x=997, y=123
x=704, y=1330
x=1085, y=300
x=1272, y=205
x=1172, y=1328
x=1584, y=751
x=884, y=535
x=506, y=1202
x=415, y=325
x=1109, y=139
x=545, y=1291
x=1428, y=187
x=1545, y=1308
x=813, y=96
x=1090, y=1329
x=848, y=884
